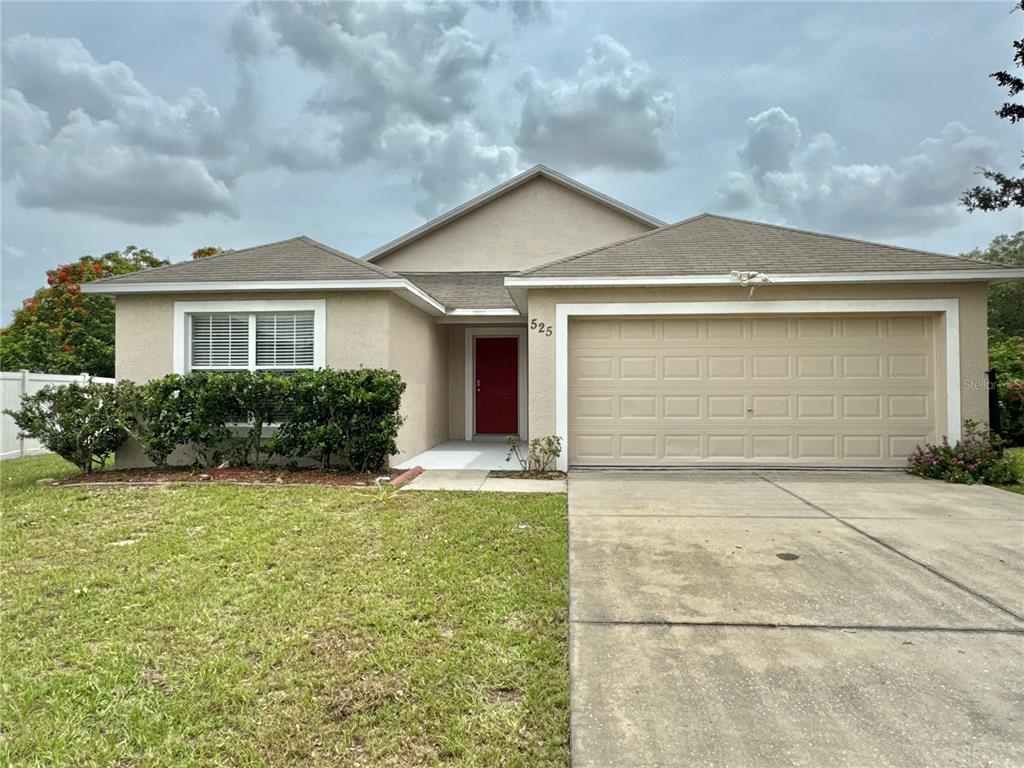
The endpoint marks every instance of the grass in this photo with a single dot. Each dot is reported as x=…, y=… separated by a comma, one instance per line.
x=232, y=626
x=1016, y=455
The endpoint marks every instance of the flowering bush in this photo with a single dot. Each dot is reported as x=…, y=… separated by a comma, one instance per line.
x=1007, y=357
x=976, y=458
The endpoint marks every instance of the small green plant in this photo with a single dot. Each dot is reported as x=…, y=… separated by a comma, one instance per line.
x=82, y=423
x=977, y=457
x=540, y=455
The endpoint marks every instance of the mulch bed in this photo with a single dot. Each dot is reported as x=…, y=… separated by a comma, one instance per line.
x=520, y=475
x=239, y=475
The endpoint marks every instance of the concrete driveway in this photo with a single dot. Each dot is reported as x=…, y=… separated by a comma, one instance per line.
x=758, y=619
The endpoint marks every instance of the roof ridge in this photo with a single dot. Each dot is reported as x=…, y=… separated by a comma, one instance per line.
x=612, y=244
x=341, y=254
x=859, y=241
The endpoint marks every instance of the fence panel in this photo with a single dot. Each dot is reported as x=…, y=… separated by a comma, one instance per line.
x=13, y=386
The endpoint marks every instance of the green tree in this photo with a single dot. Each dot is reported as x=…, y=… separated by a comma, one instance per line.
x=1006, y=191
x=209, y=250
x=62, y=330
x=1005, y=300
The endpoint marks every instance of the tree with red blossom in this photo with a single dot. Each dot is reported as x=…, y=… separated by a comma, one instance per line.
x=62, y=330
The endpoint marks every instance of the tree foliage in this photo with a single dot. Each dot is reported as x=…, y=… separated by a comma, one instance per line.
x=1005, y=300
x=1005, y=191
x=62, y=330
x=209, y=250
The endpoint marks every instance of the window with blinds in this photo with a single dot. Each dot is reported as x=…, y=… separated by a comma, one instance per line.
x=220, y=341
x=252, y=341
x=284, y=340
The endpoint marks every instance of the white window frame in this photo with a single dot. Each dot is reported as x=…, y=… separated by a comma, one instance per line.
x=183, y=311
x=948, y=309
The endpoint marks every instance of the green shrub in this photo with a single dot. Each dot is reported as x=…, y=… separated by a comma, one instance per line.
x=1007, y=357
x=155, y=416
x=977, y=458
x=258, y=400
x=344, y=419
x=211, y=409
x=83, y=423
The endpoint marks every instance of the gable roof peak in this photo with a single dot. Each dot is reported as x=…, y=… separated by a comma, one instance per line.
x=538, y=170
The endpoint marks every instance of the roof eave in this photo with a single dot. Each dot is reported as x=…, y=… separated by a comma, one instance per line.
x=914, y=276
x=507, y=186
x=401, y=287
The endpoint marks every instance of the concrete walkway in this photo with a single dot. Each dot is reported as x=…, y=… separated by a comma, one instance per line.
x=478, y=480
x=794, y=619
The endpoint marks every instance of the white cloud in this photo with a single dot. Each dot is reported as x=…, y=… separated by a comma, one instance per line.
x=612, y=113
x=79, y=135
x=399, y=86
x=806, y=183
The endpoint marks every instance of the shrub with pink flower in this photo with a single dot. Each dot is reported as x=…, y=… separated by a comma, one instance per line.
x=976, y=458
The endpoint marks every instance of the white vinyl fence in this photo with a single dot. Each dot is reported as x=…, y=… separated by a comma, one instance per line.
x=16, y=384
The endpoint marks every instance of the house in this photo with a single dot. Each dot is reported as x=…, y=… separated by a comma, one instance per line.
x=545, y=307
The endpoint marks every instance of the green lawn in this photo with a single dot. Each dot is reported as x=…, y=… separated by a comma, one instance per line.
x=226, y=626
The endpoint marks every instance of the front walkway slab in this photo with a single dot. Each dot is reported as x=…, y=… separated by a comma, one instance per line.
x=462, y=454
x=892, y=638
x=448, y=480
x=477, y=480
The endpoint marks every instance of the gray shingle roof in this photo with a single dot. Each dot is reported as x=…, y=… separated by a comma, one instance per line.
x=709, y=244
x=464, y=290
x=300, y=258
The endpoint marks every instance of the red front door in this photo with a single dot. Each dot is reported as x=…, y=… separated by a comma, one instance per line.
x=497, y=386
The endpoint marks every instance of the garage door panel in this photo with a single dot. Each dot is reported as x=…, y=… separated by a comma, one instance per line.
x=802, y=390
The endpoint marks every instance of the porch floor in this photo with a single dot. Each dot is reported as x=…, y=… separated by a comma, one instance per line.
x=462, y=454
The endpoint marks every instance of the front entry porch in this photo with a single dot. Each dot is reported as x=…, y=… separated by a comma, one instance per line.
x=464, y=454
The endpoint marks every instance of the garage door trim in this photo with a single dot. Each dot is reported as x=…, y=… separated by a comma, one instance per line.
x=949, y=308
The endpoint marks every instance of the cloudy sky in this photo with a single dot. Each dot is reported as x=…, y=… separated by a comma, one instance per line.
x=179, y=125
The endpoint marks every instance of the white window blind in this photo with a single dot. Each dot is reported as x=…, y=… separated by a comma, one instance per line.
x=284, y=340
x=220, y=340
x=252, y=340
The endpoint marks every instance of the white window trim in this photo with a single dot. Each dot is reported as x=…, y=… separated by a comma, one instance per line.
x=470, y=368
x=184, y=309
x=949, y=308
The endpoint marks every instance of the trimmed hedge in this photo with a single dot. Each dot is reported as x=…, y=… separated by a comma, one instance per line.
x=346, y=420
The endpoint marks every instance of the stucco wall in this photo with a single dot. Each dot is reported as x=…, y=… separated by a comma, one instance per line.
x=457, y=382
x=973, y=331
x=531, y=225
x=144, y=332
x=418, y=350
x=370, y=329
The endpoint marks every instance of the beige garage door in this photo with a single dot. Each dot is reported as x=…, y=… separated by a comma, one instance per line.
x=855, y=390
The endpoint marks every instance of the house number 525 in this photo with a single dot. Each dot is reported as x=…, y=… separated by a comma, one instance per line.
x=539, y=327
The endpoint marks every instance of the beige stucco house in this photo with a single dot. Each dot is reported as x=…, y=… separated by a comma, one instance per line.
x=545, y=307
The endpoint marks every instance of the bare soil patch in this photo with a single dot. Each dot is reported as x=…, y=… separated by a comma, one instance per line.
x=521, y=475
